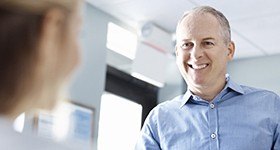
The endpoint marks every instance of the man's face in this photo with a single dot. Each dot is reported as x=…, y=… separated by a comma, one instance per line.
x=201, y=51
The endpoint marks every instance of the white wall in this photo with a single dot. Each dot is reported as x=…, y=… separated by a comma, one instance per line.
x=262, y=72
x=89, y=82
x=90, y=78
x=174, y=85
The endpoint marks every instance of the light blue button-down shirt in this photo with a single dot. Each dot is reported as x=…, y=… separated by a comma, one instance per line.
x=238, y=118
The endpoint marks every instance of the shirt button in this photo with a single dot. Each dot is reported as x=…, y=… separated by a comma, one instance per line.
x=213, y=135
x=212, y=106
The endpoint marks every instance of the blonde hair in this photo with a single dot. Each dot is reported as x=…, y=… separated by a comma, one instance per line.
x=20, y=30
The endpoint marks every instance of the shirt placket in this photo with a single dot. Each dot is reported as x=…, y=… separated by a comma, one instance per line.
x=213, y=126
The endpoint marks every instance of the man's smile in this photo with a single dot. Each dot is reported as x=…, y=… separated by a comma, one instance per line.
x=198, y=66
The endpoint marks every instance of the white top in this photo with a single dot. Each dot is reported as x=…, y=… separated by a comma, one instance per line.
x=12, y=140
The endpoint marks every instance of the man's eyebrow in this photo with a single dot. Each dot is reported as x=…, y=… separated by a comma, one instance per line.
x=208, y=38
x=185, y=40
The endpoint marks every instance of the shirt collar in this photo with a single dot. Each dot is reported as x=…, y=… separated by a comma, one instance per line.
x=234, y=86
x=230, y=84
x=186, y=98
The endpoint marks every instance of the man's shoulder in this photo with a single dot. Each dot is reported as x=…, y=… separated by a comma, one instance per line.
x=261, y=95
x=164, y=110
x=167, y=106
x=258, y=91
x=171, y=103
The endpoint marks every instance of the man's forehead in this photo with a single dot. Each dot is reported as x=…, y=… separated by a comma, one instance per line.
x=196, y=18
x=198, y=23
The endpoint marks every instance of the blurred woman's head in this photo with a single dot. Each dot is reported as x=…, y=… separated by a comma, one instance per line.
x=38, y=52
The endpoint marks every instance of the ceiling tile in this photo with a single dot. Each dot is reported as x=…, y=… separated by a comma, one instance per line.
x=240, y=9
x=255, y=23
x=243, y=49
x=262, y=31
x=164, y=14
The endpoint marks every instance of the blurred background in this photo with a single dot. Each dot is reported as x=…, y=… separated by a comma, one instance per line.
x=129, y=66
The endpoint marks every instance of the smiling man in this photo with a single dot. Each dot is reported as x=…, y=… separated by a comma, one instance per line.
x=215, y=112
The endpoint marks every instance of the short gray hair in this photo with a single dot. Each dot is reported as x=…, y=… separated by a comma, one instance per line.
x=226, y=32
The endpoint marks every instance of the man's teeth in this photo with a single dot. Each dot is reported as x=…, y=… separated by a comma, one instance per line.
x=199, y=66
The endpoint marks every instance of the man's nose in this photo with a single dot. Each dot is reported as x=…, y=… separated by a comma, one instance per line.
x=196, y=52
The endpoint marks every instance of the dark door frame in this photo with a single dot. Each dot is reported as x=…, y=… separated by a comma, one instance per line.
x=127, y=86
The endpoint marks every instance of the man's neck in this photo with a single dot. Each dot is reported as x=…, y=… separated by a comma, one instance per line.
x=208, y=92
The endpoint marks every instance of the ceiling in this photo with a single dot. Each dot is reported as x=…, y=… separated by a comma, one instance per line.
x=255, y=23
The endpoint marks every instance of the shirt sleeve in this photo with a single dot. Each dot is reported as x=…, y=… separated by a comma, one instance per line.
x=277, y=139
x=276, y=142
x=148, y=139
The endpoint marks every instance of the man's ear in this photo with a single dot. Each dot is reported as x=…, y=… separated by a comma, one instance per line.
x=230, y=50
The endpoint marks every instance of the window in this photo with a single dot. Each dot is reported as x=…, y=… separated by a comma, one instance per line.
x=119, y=123
x=121, y=40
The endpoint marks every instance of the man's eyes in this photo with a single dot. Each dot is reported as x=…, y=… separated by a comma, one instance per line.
x=208, y=43
x=203, y=44
x=186, y=45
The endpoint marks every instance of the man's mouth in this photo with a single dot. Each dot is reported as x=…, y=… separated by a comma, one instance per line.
x=198, y=67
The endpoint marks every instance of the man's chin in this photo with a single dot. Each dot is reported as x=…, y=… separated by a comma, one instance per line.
x=198, y=80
